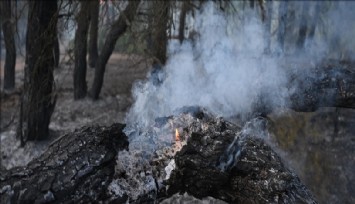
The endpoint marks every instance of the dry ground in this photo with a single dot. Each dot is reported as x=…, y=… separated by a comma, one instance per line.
x=115, y=98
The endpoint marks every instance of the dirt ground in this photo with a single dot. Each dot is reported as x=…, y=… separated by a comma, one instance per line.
x=115, y=99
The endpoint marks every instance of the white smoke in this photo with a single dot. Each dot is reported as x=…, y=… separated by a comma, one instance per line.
x=224, y=70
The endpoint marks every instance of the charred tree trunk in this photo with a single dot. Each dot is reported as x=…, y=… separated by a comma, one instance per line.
x=182, y=20
x=117, y=29
x=8, y=31
x=93, y=33
x=39, y=100
x=159, y=28
x=80, y=51
x=77, y=168
x=282, y=24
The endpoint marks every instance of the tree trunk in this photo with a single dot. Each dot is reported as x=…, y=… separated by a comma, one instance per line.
x=159, y=30
x=8, y=31
x=77, y=168
x=93, y=34
x=182, y=20
x=117, y=29
x=282, y=24
x=302, y=33
x=56, y=52
x=39, y=100
x=267, y=34
x=80, y=50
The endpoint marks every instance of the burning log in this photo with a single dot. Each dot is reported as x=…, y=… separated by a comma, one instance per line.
x=207, y=157
x=231, y=164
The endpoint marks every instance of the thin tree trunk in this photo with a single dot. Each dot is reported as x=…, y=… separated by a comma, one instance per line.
x=159, y=30
x=80, y=51
x=39, y=100
x=282, y=24
x=268, y=26
x=302, y=34
x=8, y=31
x=182, y=20
x=118, y=28
x=93, y=33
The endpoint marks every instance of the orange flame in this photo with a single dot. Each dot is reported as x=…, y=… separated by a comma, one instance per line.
x=177, y=136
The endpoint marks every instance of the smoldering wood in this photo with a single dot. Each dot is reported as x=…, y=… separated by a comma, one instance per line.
x=76, y=168
x=234, y=166
x=79, y=167
x=331, y=84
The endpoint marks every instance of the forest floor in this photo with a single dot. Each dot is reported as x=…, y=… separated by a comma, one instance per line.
x=115, y=99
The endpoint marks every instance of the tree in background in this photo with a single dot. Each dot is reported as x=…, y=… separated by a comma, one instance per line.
x=8, y=31
x=80, y=51
x=38, y=99
x=185, y=7
x=158, y=28
x=93, y=33
x=118, y=28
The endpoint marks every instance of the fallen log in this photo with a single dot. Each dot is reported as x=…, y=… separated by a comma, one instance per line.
x=235, y=166
x=78, y=167
x=219, y=161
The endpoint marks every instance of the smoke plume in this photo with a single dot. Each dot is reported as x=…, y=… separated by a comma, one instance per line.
x=224, y=70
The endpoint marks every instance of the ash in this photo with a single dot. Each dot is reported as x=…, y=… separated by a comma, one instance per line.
x=147, y=166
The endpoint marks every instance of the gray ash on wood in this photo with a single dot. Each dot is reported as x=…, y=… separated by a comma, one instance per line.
x=216, y=161
x=256, y=175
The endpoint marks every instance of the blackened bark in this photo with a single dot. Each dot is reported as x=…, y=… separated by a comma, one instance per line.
x=93, y=33
x=77, y=168
x=8, y=31
x=222, y=161
x=118, y=28
x=159, y=30
x=326, y=86
x=80, y=51
x=39, y=100
x=182, y=20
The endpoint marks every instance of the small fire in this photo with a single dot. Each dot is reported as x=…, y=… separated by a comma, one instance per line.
x=177, y=136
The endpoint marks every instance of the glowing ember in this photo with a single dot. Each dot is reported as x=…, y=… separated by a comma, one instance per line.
x=177, y=136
